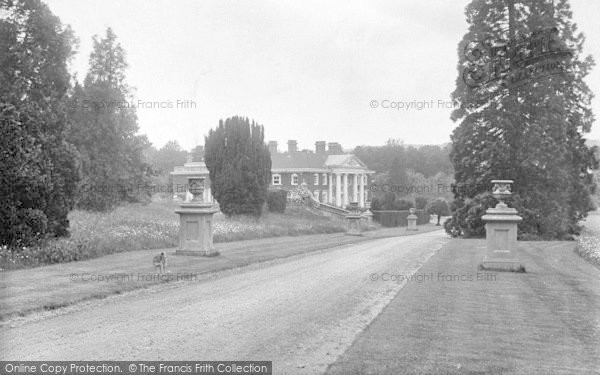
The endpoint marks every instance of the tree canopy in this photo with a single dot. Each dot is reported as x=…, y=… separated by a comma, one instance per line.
x=524, y=110
x=38, y=167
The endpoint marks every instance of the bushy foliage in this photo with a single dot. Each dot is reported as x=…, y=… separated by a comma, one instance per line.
x=390, y=202
x=38, y=168
x=239, y=164
x=104, y=130
x=401, y=205
x=421, y=203
x=438, y=207
x=397, y=158
x=533, y=132
x=277, y=200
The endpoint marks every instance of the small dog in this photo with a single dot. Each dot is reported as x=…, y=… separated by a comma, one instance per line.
x=160, y=262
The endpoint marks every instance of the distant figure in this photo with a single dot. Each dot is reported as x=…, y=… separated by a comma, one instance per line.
x=160, y=262
x=188, y=196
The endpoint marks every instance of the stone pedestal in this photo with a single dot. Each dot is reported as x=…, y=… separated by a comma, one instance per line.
x=196, y=229
x=501, y=234
x=368, y=216
x=354, y=220
x=354, y=225
x=412, y=221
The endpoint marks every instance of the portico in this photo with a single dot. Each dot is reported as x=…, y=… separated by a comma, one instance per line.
x=347, y=186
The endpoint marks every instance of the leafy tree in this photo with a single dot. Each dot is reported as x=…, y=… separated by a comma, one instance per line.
x=397, y=175
x=401, y=205
x=528, y=130
x=168, y=157
x=38, y=168
x=104, y=130
x=438, y=207
x=421, y=203
x=239, y=164
x=198, y=153
x=427, y=160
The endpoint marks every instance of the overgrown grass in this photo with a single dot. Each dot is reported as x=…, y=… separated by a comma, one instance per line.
x=588, y=245
x=154, y=226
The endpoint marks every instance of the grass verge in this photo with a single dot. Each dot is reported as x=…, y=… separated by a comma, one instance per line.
x=155, y=226
x=540, y=322
x=25, y=291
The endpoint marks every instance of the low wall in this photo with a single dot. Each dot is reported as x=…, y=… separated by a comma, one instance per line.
x=399, y=218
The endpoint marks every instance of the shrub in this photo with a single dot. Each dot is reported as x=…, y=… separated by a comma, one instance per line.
x=438, y=207
x=276, y=201
x=421, y=203
x=401, y=205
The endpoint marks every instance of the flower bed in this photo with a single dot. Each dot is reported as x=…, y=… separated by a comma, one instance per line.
x=153, y=226
x=589, y=241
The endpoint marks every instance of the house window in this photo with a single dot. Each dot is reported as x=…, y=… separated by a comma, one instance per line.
x=294, y=179
x=316, y=181
x=316, y=195
x=276, y=179
x=324, y=196
x=324, y=178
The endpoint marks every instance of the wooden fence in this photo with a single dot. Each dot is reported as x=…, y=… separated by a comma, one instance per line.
x=399, y=218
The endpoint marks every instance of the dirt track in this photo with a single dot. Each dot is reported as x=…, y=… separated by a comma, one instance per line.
x=301, y=313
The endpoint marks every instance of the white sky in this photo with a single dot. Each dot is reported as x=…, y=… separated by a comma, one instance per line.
x=306, y=70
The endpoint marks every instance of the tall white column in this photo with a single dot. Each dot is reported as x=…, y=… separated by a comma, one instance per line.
x=330, y=192
x=355, y=188
x=345, y=183
x=338, y=190
x=361, y=200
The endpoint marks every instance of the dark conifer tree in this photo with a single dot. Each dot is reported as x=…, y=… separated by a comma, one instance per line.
x=524, y=111
x=239, y=164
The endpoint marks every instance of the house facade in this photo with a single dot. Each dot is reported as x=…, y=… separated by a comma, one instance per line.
x=332, y=176
x=190, y=171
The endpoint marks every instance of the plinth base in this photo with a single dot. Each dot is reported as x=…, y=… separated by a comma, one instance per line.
x=354, y=226
x=502, y=264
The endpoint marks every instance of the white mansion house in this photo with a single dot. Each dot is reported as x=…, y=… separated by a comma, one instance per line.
x=332, y=176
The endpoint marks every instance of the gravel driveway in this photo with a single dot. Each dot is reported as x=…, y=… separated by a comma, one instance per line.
x=300, y=312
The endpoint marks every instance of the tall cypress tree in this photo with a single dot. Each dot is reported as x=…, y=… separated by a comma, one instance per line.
x=239, y=164
x=525, y=108
x=104, y=131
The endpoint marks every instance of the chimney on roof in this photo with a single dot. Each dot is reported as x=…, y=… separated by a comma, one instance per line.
x=272, y=147
x=335, y=148
x=320, y=147
x=292, y=146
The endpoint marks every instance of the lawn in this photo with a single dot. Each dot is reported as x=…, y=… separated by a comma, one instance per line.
x=544, y=321
x=155, y=226
x=55, y=286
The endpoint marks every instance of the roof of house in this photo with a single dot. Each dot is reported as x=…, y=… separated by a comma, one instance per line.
x=303, y=160
x=196, y=167
x=295, y=161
